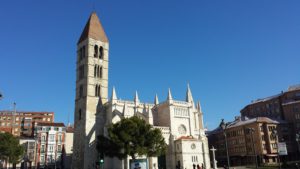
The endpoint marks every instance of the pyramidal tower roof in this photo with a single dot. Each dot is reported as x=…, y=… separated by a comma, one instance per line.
x=93, y=29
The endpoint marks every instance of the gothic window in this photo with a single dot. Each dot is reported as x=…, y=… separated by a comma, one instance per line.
x=81, y=72
x=80, y=91
x=101, y=72
x=101, y=52
x=95, y=71
x=97, y=90
x=79, y=114
x=83, y=52
x=98, y=71
x=96, y=51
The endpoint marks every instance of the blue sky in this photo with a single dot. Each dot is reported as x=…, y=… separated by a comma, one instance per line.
x=231, y=52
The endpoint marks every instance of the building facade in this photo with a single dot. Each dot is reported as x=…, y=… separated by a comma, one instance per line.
x=241, y=141
x=93, y=111
x=50, y=139
x=22, y=123
x=282, y=107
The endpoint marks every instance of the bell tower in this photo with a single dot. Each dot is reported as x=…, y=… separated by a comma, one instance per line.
x=91, y=91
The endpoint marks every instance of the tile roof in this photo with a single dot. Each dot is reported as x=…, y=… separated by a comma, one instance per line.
x=186, y=138
x=93, y=29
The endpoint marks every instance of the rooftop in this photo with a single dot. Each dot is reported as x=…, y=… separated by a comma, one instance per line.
x=93, y=29
x=52, y=124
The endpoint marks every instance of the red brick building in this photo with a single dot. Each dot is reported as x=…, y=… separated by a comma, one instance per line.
x=22, y=123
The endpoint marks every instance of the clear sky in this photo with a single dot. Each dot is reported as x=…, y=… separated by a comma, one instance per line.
x=230, y=51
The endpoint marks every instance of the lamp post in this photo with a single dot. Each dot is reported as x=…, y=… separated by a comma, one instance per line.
x=223, y=125
x=275, y=134
x=251, y=130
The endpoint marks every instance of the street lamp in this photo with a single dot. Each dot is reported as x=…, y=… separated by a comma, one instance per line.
x=223, y=125
x=251, y=130
x=275, y=134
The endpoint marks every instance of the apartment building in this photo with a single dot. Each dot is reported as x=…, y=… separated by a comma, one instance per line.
x=240, y=143
x=284, y=106
x=21, y=123
x=50, y=138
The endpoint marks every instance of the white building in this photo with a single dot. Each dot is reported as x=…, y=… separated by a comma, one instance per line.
x=181, y=122
x=50, y=138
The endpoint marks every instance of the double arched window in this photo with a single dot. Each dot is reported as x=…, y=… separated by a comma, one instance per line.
x=98, y=71
x=101, y=52
x=97, y=90
x=79, y=114
x=98, y=52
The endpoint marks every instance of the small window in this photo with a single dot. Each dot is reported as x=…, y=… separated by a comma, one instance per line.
x=97, y=90
x=101, y=72
x=95, y=71
x=101, y=52
x=83, y=52
x=79, y=114
x=80, y=91
x=81, y=72
x=96, y=51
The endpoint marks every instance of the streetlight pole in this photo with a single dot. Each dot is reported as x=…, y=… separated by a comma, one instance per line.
x=274, y=133
x=223, y=125
x=251, y=130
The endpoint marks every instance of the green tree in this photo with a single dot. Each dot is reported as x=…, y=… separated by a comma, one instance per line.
x=133, y=137
x=10, y=149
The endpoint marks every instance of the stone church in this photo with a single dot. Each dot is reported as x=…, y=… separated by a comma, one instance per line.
x=181, y=122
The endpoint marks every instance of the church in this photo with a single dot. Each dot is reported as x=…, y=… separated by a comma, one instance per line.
x=181, y=122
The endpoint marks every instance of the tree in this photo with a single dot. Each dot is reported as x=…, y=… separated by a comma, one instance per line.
x=10, y=149
x=133, y=137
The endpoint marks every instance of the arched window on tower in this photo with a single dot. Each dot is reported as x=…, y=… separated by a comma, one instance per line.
x=83, y=52
x=95, y=71
x=101, y=72
x=99, y=90
x=80, y=91
x=101, y=52
x=98, y=71
x=96, y=90
x=96, y=51
x=79, y=114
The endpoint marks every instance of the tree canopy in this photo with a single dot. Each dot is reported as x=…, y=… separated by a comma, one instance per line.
x=10, y=149
x=133, y=137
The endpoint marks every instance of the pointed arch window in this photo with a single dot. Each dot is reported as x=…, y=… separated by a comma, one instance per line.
x=96, y=51
x=79, y=114
x=80, y=91
x=95, y=70
x=101, y=52
x=101, y=72
x=83, y=52
x=97, y=90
